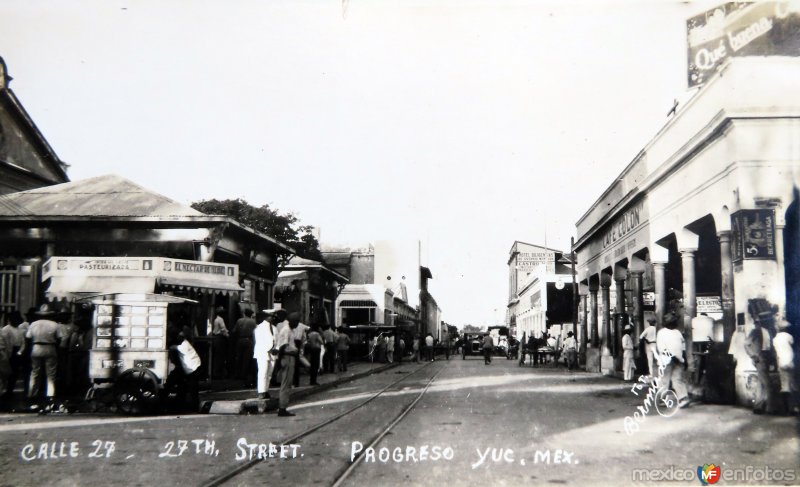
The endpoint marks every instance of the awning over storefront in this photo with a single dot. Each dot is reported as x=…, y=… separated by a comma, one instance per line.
x=71, y=287
x=73, y=277
x=199, y=285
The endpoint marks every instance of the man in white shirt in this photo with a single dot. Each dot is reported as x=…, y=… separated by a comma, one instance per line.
x=184, y=376
x=429, y=347
x=15, y=341
x=784, y=354
x=264, y=351
x=570, y=348
x=649, y=337
x=671, y=345
x=627, y=354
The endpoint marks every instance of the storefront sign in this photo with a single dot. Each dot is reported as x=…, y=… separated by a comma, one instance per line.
x=740, y=29
x=531, y=261
x=709, y=304
x=753, y=234
x=625, y=224
x=649, y=298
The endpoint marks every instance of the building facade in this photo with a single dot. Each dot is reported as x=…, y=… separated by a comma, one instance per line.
x=705, y=218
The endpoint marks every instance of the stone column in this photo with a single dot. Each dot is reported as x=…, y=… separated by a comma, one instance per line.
x=584, y=325
x=660, y=284
x=637, y=314
x=593, y=326
x=689, y=303
x=726, y=293
x=614, y=339
x=606, y=318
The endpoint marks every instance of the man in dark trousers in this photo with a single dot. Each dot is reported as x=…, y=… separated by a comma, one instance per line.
x=488, y=348
x=243, y=334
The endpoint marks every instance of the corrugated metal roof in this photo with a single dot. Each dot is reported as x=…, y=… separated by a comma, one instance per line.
x=108, y=195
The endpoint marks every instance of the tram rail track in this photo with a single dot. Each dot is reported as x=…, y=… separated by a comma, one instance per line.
x=346, y=471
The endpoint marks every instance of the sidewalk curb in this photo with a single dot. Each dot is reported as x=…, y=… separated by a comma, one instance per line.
x=246, y=406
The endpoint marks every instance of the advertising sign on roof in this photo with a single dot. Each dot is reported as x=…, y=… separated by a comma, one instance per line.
x=737, y=29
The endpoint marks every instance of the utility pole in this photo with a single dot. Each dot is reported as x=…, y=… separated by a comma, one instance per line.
x=574, y=291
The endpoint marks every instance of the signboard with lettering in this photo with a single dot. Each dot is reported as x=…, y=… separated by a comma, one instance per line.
x=753, y=234
x=533, y=261
x=709, y=304
x=737, y=29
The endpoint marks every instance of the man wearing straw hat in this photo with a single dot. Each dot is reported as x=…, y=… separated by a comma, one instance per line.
x=45, y=333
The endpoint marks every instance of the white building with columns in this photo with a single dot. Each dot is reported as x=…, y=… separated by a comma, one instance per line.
x=707, y=209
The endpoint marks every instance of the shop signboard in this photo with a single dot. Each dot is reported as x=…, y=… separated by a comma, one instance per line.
x=736, y=29
x=753, y=234
x=649, y=298
x=534, y=261
x=709, y=304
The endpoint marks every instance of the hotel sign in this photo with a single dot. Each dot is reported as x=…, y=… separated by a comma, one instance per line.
x=737, y=29
x=531, y=261
x=753, y=234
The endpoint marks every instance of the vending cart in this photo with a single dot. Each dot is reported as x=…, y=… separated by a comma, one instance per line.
x=130, y=298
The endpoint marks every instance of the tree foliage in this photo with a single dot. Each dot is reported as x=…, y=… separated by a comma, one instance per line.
x=472, y=329
x=284, y=227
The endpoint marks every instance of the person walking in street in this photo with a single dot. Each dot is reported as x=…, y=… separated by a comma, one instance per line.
x=627, y=354
x=671, y=347
x=488, y=348
x=784, y=355
x=533, y=348
x=429, y=347
x=401, y=349
x=288, y=352
x=649, y=338
x=242, y=333
x=220, y=334
x=329, y=337
x=46, y=333
x=15, y=341
x=570, y=350
x=415, y=348
x=313, y=351
x=265, y=352
x=342, y=349
x=390, y=349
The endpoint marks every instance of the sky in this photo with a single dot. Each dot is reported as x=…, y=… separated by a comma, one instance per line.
x=466, y=125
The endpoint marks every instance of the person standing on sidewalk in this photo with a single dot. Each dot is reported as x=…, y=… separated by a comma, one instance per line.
x=265, y=352
x=627, y=354
x=488, y=347
x=183, y=379
x=45, y=333
x=329, y=337
x=288, y=352
x=649, y=338
x=15, y=341
x=784, y=354
x=671, y=347
x=342, y=348
x=758, y=346
x=220, y=335
x=313, y=351
x=242, y=332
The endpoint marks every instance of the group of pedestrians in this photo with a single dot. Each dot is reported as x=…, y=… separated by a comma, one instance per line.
x=282, y=345
x=47, y=351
